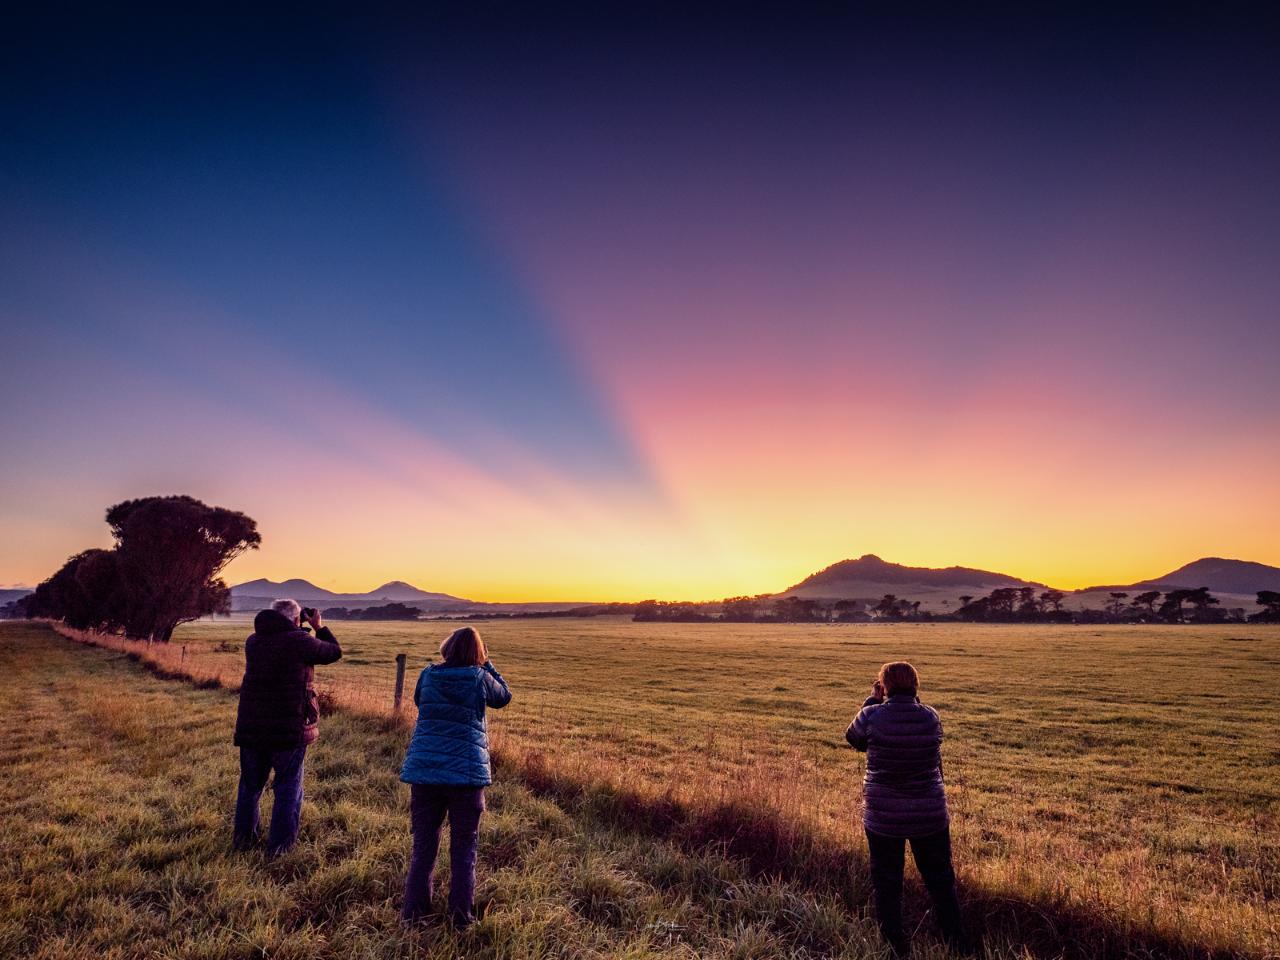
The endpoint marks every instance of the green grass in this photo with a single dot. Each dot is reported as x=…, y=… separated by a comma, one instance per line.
x=663, y=790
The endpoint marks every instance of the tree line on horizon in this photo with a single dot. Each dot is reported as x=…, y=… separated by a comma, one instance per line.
x=1002, y=605
x=1180, y=605
x=387, y=611
x=162, y=571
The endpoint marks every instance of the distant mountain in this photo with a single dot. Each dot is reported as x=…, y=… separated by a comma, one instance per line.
x=299, y=590
x=404, y=592
x=1242, y=577
x=15, y=593
x=256, y=594
x=870, y=577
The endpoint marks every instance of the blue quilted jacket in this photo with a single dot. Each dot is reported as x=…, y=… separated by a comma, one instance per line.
x=450, y=743
x=903, y=789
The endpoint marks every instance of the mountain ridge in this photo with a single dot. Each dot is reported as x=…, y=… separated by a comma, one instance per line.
x=865, y=577
x=871, y=569
x=252, y=594
x=868, y=577
x=1219, y=574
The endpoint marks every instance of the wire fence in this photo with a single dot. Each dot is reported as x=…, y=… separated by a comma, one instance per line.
x=214, y=668
x=385, y=696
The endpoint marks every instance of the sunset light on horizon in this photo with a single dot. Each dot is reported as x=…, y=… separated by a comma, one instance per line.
x=626, y=311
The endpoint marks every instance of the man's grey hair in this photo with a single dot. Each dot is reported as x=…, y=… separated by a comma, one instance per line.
x=290, y=608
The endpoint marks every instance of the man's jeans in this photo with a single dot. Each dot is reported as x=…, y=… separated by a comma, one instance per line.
x=933, y=858
x=255, y=766
x=428, y=805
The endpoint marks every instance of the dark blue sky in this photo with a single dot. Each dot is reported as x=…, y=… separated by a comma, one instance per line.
x=259, y=168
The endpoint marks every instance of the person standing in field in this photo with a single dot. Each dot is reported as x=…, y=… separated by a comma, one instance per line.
x=905, y=802
x=277, y=719
x=447, y=769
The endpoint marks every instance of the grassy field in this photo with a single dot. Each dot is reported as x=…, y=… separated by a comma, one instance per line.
x=663, y=790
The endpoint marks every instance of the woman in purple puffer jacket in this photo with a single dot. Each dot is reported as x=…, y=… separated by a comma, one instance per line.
x=905, y=802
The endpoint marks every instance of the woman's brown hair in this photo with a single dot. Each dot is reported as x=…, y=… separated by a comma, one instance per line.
x=899, y=677
x=464, y=648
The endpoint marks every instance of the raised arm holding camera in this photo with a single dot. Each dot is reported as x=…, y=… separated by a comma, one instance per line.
x=278, y=718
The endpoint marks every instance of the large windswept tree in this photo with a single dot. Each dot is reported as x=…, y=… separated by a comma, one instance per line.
x=170, y=551
x=86, y=593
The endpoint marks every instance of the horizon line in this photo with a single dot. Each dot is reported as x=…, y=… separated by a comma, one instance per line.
x=579, y=600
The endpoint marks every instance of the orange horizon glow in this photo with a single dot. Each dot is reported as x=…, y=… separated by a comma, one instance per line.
x=511, y=593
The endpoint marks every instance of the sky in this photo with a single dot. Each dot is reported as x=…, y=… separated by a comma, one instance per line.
x=563, y=306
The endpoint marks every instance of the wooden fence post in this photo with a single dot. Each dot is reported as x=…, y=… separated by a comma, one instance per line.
x=183, y=658
x=400, y=660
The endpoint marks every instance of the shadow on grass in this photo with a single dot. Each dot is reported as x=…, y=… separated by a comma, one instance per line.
x=770, y=847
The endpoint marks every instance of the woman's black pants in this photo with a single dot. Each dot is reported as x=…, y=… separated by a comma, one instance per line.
x=428, y=807
x=932, y=855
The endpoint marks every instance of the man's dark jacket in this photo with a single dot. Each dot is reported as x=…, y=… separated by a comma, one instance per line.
x=903, y=789
x=278, y=707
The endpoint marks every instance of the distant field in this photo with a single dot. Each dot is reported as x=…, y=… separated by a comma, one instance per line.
x=1115, y=790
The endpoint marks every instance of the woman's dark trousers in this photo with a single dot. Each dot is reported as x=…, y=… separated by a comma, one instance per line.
x=428, y=807
x=255, y=766
x=932, y=855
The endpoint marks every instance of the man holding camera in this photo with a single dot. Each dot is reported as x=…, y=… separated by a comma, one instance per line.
x=278, y=718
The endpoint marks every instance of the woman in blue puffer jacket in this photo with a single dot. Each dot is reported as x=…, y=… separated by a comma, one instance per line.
x=447, y=769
